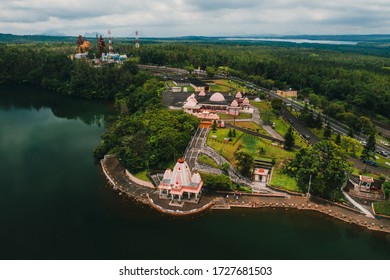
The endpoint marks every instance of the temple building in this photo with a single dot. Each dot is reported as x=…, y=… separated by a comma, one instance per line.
x=203, y=106
x=180, y=186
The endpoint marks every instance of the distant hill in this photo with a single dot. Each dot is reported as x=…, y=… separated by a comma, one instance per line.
x=10, y=38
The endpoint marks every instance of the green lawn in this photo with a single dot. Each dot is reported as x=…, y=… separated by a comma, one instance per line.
x=253, y=146
x=208, y=161
x=171, y=84
x=284, y=181
x=220, y=88
x=252, y=126
x=232, y=86
x=382, y=208
x=142, y=175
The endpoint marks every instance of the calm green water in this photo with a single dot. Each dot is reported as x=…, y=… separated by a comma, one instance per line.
x=55, y=203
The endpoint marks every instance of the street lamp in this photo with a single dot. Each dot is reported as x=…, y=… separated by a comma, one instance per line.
x=308, y=190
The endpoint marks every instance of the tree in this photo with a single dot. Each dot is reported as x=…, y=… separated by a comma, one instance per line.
x=267, y=117
x=189, y=68
x=210, y=71
x=216, y=182
x=349, y=145
x=314, y=100
x=277, y=104
x=326, y=163
x=230, y=134
x=245, y=163
x=289, y=139
x=214, y=126
x=318, y=121
x=225, y=167
x=386, y=188
x=369, y=148
x=327, y=131
x=338, y=139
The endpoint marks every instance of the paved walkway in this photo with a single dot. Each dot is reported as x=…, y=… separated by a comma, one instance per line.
x=302, y=203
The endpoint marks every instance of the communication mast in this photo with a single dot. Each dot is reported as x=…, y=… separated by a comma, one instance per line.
x=136, y=40
x=110, y=47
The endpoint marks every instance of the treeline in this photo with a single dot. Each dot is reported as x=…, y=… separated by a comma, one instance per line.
x=51, y=68
x=360, y=82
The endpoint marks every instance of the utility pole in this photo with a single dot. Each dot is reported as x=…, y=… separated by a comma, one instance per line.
x=308, y=190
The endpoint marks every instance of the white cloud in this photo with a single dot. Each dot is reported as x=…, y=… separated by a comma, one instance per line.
x=195, y=17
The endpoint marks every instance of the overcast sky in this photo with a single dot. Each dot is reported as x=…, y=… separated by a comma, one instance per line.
x=163, y=18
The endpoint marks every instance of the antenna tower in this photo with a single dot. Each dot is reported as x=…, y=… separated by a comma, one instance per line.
x=110, y=48
x=136, y=40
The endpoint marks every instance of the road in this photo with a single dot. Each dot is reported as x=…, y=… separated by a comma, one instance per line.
x=300, y=127
x=335, y=124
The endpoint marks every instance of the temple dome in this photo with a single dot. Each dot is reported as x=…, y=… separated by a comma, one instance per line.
x=217, y=97
x=190, y=102
x=202, y=93
x=181, y=174
x=234, y=103
x=196, y=178
x=239, y=95
x=168, y=174
x=246, y=101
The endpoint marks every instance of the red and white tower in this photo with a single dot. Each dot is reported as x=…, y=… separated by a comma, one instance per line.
x=136, y=40
x=110, y=47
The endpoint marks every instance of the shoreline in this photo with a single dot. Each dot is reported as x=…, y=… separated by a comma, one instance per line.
x=117, y=179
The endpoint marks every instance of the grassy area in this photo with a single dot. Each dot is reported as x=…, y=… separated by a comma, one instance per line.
x=357, y=172
x=142, y=175
x=281, y=126
x=284, y=181
x=220, y=88
x=256, y=147
x=171, y=84
x=263, y=106
x=382, y=208
x=252, y=126
x=208, y=161
x=189, y=89
x=241, y=116
x=232, y=86
x=249, y=144
x=222, y=133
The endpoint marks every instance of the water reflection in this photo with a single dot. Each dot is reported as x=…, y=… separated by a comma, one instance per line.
x=36, y=98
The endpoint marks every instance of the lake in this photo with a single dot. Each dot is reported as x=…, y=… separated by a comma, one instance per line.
x=55, y=202
x=297, y=41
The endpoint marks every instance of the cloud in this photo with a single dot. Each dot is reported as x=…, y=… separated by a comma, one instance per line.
x=195, y=17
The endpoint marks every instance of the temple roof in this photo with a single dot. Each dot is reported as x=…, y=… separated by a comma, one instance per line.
x=234, y=103
x=217, y=97
x=246, y=101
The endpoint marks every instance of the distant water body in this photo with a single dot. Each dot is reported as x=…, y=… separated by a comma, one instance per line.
x=297, y=41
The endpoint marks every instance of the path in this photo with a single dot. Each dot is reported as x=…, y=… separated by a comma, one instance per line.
x=356, y=204
x=198, y=146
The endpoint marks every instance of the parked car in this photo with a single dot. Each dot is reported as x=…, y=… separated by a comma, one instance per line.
x=307, y=136
x=370, y=162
